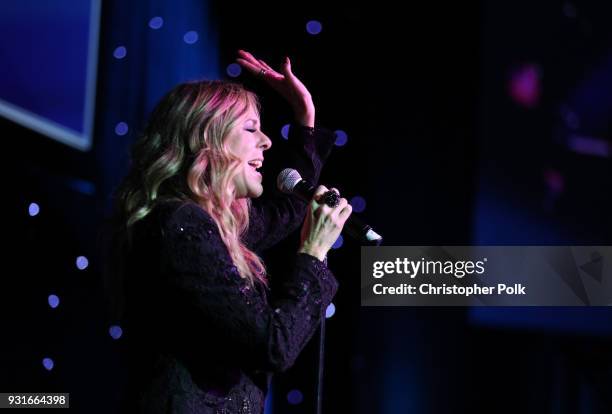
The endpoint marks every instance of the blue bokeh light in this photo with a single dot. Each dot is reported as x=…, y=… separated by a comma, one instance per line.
x=338, y=243
x=48, y=363
x=121, y=128
x=82, y=262
x=329, y=312
x=33, y=209
x=314, y=27
x=285, y=131
x=358, y=203
x=295, y=397
x=115, y=331
x=341, y=137
x=120, y=52
x=156, y=23
x=234, y=70
x=191, y=37
x=53, y=301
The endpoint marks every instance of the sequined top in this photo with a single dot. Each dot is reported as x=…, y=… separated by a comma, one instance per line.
x=201, y=339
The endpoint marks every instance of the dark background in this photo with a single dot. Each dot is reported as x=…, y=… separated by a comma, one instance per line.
x=467, y=123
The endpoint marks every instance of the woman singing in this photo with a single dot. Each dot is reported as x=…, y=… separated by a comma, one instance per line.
x=205, y=331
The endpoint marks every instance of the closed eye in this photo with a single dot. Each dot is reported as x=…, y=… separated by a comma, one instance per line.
x=252, y=130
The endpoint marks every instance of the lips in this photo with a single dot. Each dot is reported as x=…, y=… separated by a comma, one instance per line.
x=256, y=163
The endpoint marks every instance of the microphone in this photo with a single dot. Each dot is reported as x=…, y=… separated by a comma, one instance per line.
x=290, y=181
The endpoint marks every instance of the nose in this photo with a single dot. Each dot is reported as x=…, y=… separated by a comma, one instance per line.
x=265, y=142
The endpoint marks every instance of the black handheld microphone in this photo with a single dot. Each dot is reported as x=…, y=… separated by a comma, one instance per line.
x=290, y=181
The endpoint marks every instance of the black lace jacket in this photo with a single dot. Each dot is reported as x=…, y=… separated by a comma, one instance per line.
x=200, y=339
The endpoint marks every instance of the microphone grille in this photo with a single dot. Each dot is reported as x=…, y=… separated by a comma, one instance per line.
x=287, y=179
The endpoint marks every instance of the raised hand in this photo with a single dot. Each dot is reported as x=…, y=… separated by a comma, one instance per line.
x=283, y=82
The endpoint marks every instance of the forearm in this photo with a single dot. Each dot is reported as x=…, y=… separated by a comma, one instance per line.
x=306, y=117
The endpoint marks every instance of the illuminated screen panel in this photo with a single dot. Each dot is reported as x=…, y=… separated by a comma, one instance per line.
x=49, y=55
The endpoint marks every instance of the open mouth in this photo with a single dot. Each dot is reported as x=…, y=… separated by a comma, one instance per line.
x=256, y=164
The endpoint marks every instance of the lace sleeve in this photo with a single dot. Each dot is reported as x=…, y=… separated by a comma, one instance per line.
x=272, y=220
x=200, y=271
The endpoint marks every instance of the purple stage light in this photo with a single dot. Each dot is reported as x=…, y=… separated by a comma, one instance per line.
x=589, y=146
x=554, y=181
x=524, y=85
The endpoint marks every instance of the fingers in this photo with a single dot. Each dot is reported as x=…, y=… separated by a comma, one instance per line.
x=253, y=65
x=316, y=205
x=320, y=191
x=269, y=70
x=342, y=209
x=248, y=57
x=286, y=67
x=256, y=66
x=341, y=204
x=338, y=214
x=286, y=70
x=265, y=65
x=344, y=213
x=255, y=69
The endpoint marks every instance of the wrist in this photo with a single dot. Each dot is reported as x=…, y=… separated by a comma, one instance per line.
x=306, y=119
x=315, y=252
x=305, y=113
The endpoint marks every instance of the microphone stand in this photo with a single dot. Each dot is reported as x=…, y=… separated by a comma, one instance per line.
x=321, y=364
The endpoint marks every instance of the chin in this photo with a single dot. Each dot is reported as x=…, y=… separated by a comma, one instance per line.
x=255, y=192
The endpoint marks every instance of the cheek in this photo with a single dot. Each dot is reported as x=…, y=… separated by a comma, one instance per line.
x=238, y=146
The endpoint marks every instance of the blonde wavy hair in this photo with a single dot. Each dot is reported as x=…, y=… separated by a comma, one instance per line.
x=182, y=155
